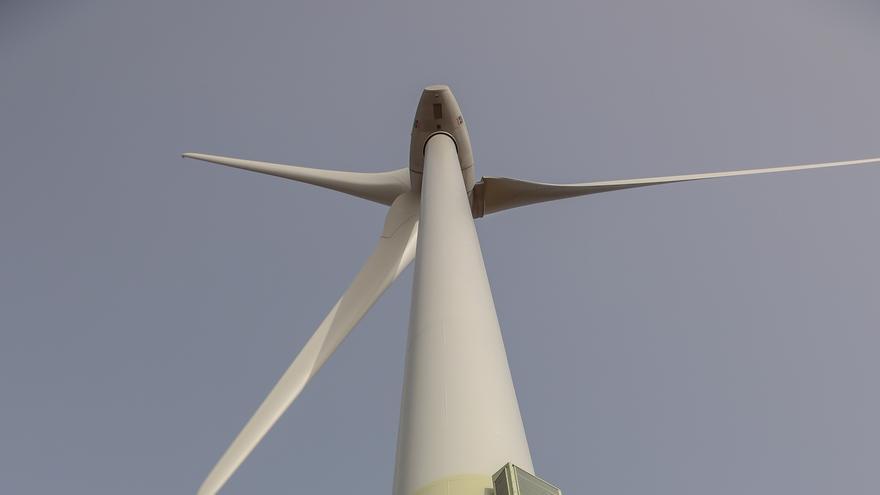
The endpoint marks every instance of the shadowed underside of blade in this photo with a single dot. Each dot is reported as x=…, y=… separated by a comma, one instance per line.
x=394, y=252
x=494, y=194
x=381, y=187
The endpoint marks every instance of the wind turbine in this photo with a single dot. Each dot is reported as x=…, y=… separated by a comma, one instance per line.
x=459, y=419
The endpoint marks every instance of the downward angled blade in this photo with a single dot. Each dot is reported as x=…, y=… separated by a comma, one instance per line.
x=395, y=251
x=495, y=194
x=381, y=187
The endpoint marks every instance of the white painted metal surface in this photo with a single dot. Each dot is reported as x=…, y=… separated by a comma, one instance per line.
x=459, y=414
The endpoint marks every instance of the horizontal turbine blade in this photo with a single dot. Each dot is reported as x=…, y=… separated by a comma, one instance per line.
x=381, y=187
x=494, y=194
x=395, y=251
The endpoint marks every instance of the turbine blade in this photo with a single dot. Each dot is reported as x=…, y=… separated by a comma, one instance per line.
x=381, y=187
x=494, y=194
x=395, y=251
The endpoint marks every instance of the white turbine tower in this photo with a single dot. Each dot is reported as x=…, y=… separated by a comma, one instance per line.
x=459, y=420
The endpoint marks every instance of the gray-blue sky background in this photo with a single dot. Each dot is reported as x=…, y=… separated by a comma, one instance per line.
x=716, y=337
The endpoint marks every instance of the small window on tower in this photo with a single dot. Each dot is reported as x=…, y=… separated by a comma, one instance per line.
x=438, y=111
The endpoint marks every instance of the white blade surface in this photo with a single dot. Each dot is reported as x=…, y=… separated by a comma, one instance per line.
x=501, y=193
x=381, y=187
x=395, y=251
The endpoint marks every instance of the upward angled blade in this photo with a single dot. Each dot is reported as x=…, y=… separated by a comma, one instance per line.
x=395, y=251
x=495, y=194
x=381, y=187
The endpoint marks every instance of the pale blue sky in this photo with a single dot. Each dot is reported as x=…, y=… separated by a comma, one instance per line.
x=717, y=337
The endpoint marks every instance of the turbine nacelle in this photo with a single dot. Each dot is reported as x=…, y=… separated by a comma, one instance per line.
x=438, y=112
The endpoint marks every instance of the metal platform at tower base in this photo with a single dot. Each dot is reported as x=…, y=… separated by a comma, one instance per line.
x=512, y=480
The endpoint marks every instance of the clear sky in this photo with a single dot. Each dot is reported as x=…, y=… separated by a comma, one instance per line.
x=717, y=337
